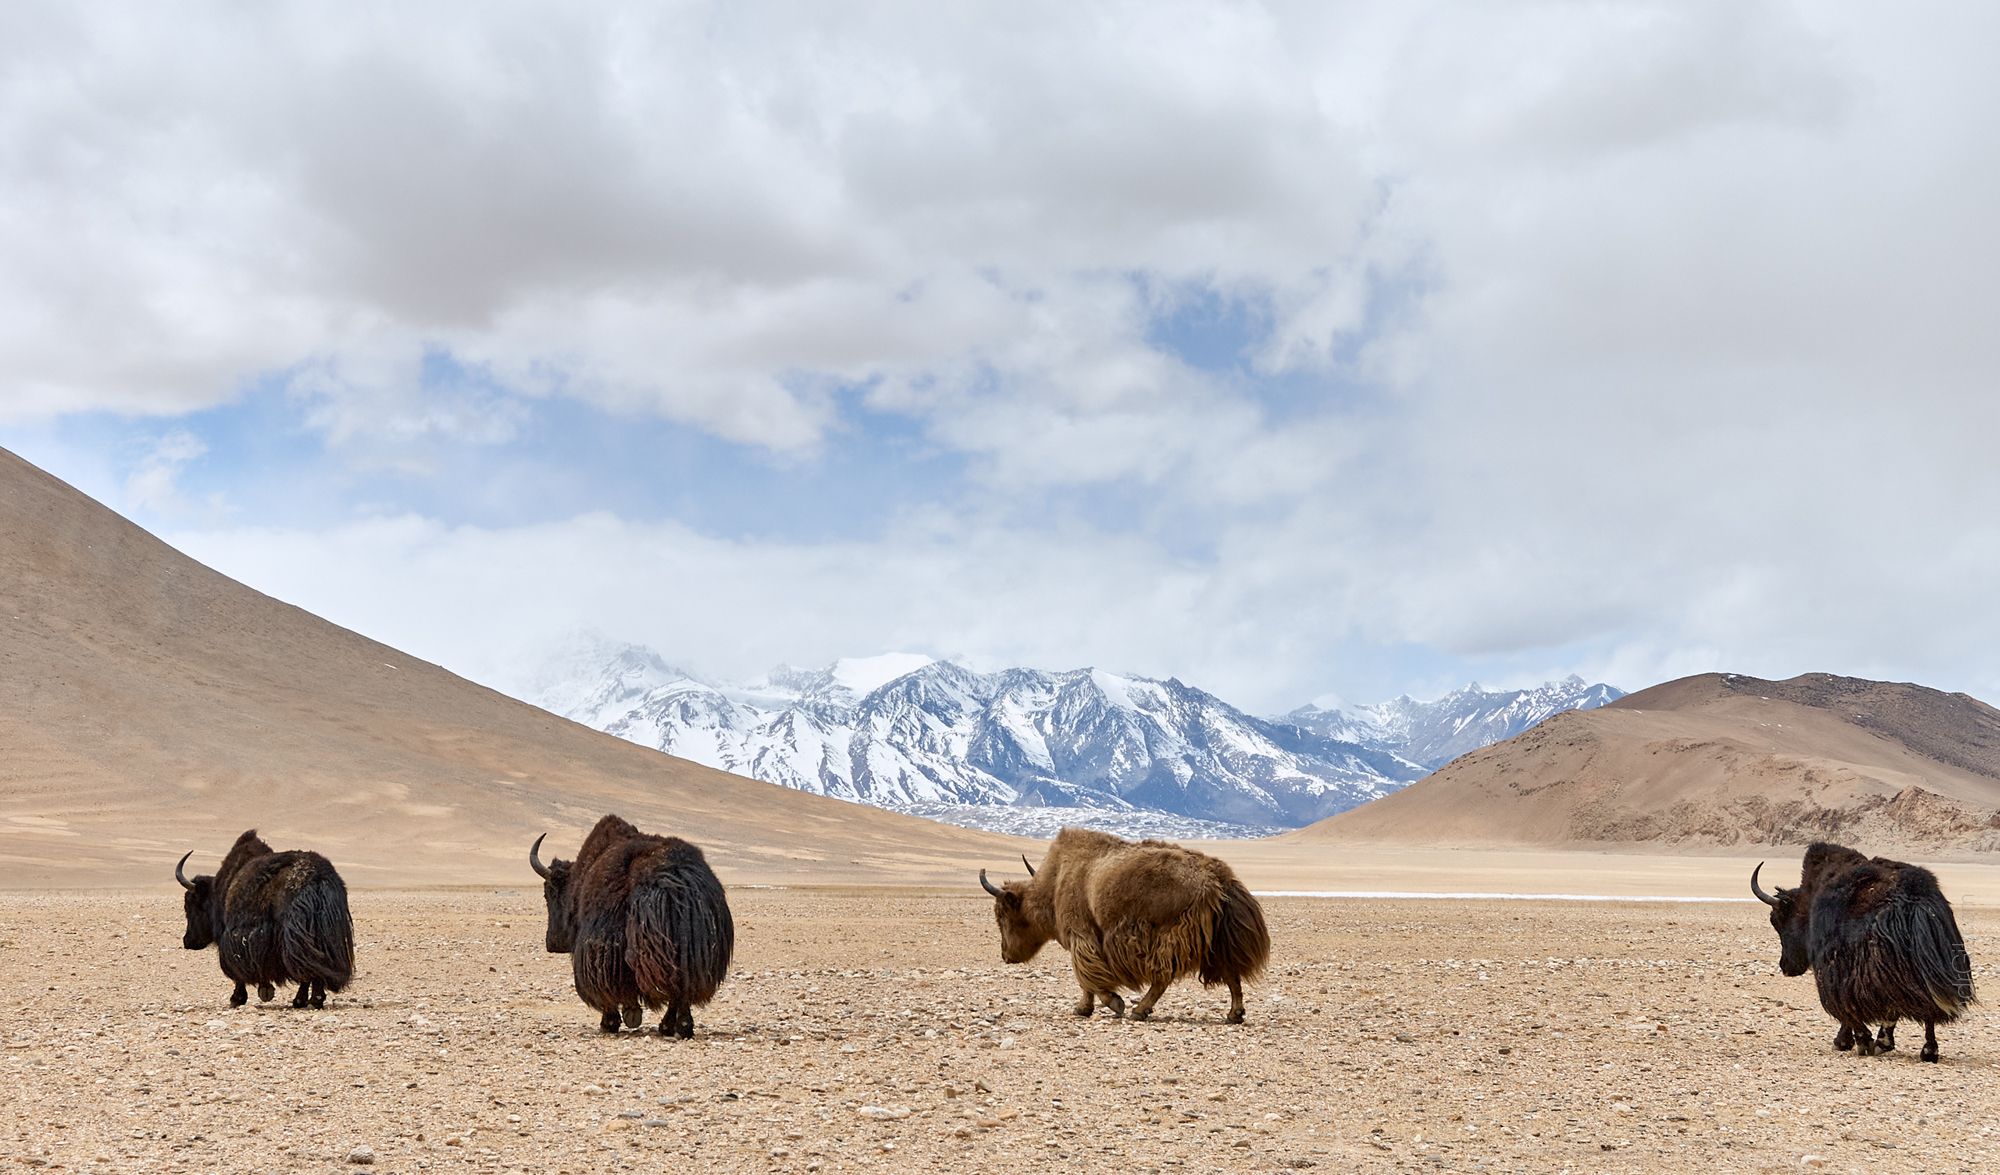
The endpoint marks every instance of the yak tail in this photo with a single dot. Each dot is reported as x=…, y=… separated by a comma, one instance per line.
x=1239, y=945
x=319, y=934
x=679, y=938
x=1933, y=955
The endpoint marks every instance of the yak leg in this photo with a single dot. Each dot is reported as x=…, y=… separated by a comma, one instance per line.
x=1930, y=1052
x=609, y=1021
x=1864, y=1040
x=304, y=993
x=1088, y=1004
x=319, y=993
x=679, y=1021
x=1236, y=1001
x=633, y=1016
x=1144, y=1007
x=1844, y=1039
x=1885, y=1039
x=239, y=997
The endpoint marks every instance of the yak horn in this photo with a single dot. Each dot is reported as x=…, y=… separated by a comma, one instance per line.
x=989, y=887
x=180, y=876
x=534, y=858
x=1024, y=861
x=1763, y=897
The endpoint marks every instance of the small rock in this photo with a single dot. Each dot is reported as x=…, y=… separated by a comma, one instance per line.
x=361, y=1156
x=1813, y=1161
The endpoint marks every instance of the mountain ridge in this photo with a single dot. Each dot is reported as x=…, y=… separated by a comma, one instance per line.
x=1118, y=750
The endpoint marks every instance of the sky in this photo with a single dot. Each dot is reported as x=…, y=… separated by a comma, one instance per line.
x=1299, y=351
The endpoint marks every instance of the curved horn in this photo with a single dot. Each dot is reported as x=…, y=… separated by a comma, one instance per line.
x=180, y=876
x=534, y=857
x=1763, y=897
x=1024, y=861
x=989, y=887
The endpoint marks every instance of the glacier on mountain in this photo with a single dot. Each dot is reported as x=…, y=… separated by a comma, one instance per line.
x=1027, y=750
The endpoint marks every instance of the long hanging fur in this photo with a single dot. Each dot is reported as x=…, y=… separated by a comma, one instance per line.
x=279, y=917
x=1240, y=946
x=1133, y=915
x=1886, y=947
x=652, y=922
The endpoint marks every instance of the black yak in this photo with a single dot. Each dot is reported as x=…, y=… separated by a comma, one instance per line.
x=274, y=918
x=643, y=919
x=1134, y=916
x=1881, y=943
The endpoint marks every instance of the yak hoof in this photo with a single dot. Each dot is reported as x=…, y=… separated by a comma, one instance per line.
x=1844, y=1039
x=609, y=1021
x=264, y=993
x=1235, y=1016
x=300, y=997
x=1886, y=1040
x=1142, y=1013
x=632, y=1017
x=239, y=997
x=1930, y=1054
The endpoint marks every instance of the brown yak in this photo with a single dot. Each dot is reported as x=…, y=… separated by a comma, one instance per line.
x=1134, y=916
x=643, y=919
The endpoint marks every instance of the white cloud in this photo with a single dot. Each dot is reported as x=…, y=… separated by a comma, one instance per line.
x=154, y=483
x=1656, y=336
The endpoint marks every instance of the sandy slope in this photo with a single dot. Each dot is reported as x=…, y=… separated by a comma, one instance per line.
x=879, y=1031
x=1719, y=759
x=149, y=706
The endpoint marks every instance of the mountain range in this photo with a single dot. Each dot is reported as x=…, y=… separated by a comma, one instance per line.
x=1720, y=759
x=1025, y=750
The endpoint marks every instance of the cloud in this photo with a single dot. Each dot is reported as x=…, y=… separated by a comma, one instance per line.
x=153, y=483
x=1627, y=338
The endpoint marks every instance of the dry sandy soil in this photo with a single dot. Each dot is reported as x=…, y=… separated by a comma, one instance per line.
x=878, y=1029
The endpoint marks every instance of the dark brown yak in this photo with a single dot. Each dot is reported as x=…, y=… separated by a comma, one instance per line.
x=1880, y=940
x=643, y=920
x=1134, y=916
x=274, y=918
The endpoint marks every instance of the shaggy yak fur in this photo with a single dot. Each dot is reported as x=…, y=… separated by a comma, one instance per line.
x=643, y=920
x=274, y=918
x=1881, y=943
x=1134, y=917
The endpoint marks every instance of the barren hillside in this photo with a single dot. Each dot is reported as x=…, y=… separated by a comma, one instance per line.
x=149, y=706
x=1719, y=759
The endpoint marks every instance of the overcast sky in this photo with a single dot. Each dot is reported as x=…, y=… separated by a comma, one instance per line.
x=1292, y=350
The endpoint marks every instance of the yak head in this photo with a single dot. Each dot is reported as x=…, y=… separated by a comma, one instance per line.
x=1788, y=918
x=1023, y=929
x=555, y=891
x=198, y=900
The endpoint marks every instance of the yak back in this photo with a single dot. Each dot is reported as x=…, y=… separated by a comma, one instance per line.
x=1132, y=914
x=1882, y=938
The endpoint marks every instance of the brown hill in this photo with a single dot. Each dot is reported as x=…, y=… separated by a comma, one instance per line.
x=1719, y=759
x=149, y=705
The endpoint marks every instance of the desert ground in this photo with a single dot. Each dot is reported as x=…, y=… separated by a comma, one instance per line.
x=878, y=1029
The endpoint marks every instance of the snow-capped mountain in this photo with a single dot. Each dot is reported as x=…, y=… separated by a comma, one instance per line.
x=1434, y=733
x=1024, y=750
x=915, y=734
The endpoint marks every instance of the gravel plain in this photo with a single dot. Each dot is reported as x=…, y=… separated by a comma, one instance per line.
x=878, y=1029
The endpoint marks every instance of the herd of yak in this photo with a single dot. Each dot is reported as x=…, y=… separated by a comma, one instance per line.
x=646, y=924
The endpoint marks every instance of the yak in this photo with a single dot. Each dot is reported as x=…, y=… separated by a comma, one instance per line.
x=274, y=918
x=1880, y=940
x=1133, y=916
x=643, y=919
